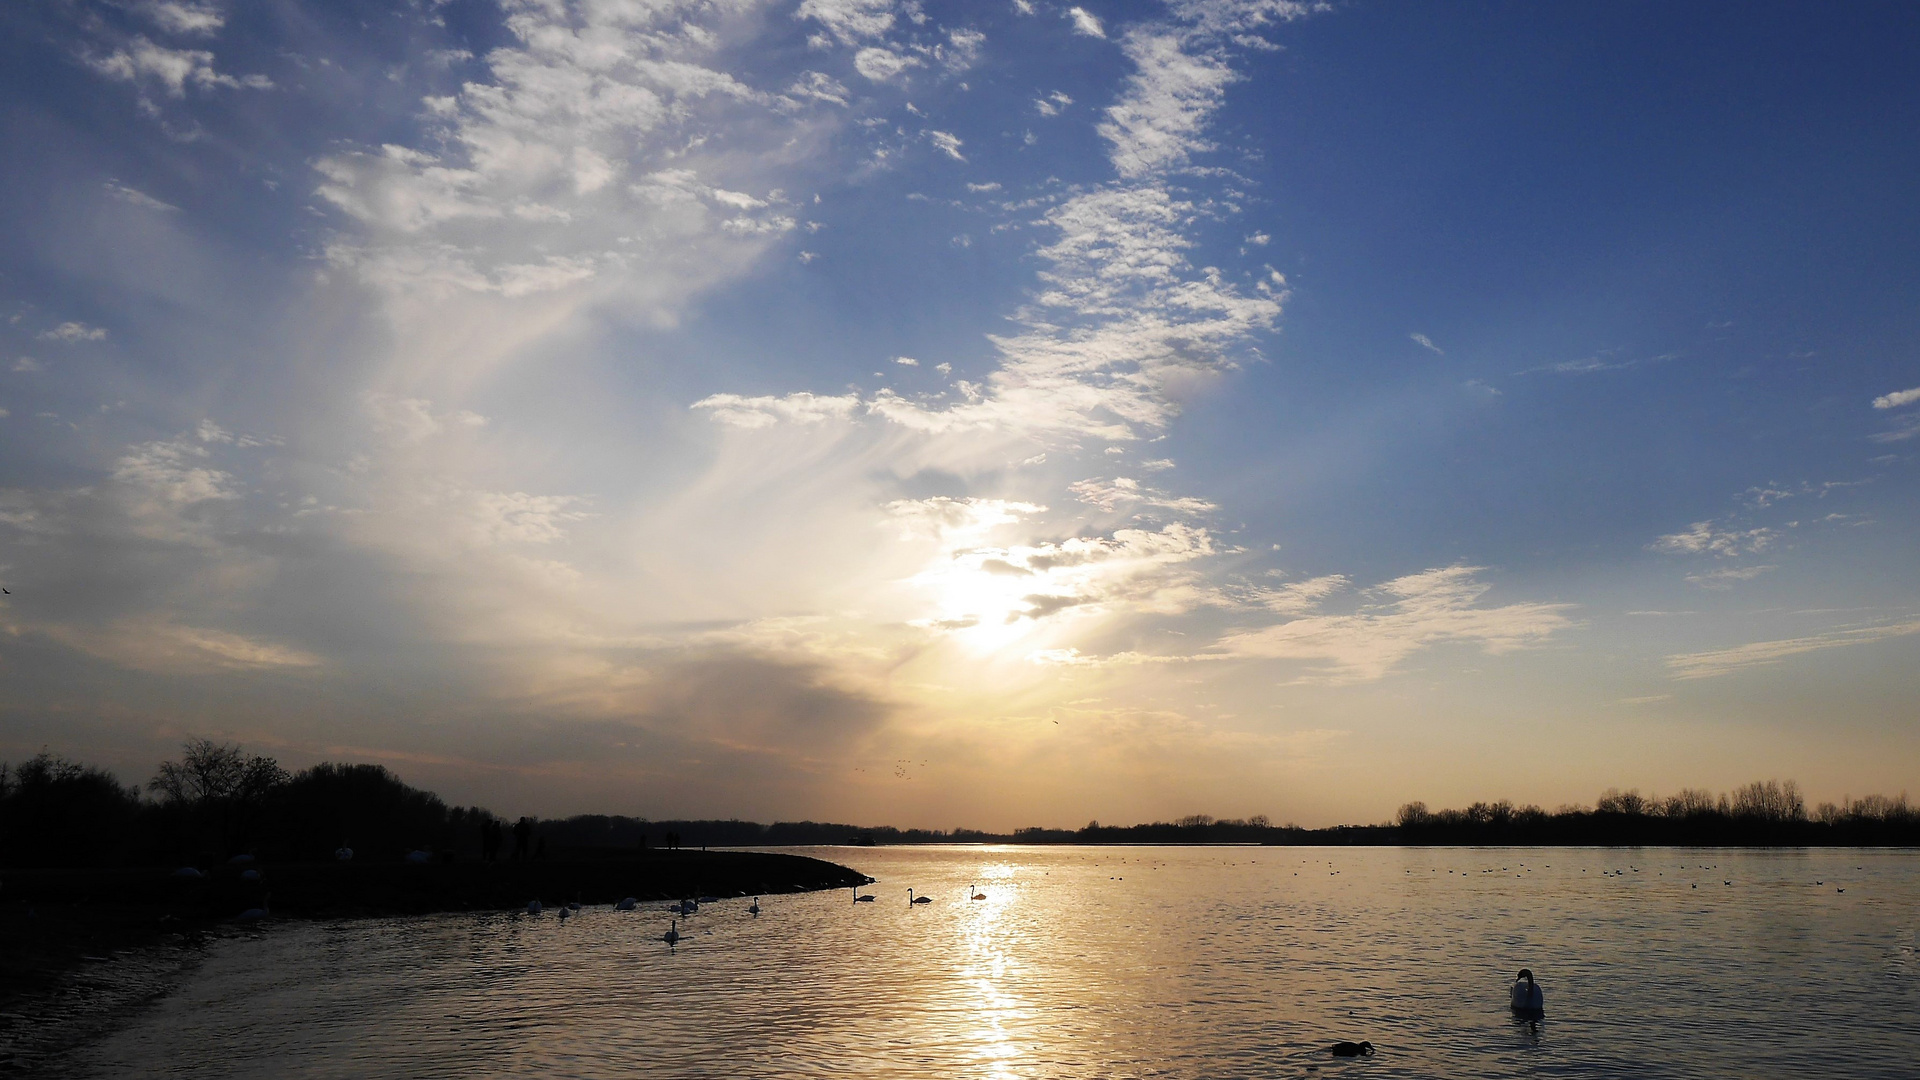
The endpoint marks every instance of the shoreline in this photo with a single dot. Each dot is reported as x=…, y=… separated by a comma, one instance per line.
x=84, y=948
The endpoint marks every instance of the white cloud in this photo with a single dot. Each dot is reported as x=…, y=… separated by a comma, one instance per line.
x=756, y=412
x=1706, y=665
x=142, y=61
x=178, y=17
x=851, y=21
x=946, y=143
x=820, y=87
x=27, y=365
x=906, y=361
x=1053, y=104
x=1905, y=428
x=1426, y=342
x=953, y=522
x=548, y=179
x=1726, y=577
x=1085, y=22
x=70, y=332
x=1414, y=613
x=1897, y=399
x=137, y=198
x=1123, y=493
x=412, y=420
x=1706, y=538
x=983, y=187
x=1158, y=122
x=160, y=645
x=884, y=65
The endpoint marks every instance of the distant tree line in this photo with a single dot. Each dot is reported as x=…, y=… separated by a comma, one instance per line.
x=1764, y=813
x=215, y=802
x=218, y=801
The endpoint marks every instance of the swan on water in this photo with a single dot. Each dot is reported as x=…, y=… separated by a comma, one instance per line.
x=533, y=907
x=912, y=899
x=188, y=873
x=255, y=914
x=564, y=913
x=627, y=905
x=249, y=875
x=672, y=936
x=975, y=895
x=343, y=854
x=755, y=908
x=859, y=899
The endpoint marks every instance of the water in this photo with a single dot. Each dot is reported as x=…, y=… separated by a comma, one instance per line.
x=1108, y=962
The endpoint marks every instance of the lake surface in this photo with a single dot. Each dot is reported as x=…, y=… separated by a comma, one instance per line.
x=1105, y=962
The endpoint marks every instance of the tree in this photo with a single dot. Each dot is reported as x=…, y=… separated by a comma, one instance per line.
x=218, y=790
x=56, y=813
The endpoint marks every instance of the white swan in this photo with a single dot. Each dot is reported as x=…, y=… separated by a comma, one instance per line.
x=672, y=936
x=859, y=899
x=255, y=914
x=912, y=899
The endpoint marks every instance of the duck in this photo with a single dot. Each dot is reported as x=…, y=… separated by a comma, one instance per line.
x=1353, y=1049
x=912, y=899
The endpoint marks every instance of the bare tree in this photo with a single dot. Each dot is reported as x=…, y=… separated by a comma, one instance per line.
x=220, y=782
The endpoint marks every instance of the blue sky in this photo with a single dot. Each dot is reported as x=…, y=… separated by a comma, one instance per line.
x=976, y=413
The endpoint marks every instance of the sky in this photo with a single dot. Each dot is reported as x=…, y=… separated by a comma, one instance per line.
x=979, y=414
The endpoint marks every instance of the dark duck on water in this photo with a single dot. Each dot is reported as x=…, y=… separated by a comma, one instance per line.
x=1353, y=1049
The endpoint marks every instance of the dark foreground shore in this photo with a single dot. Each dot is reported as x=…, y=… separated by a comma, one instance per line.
x=79, y=948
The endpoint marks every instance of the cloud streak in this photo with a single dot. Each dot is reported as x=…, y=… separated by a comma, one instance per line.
x=1718, y=662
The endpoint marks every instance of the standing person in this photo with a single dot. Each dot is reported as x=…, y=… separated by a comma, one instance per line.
x=1527, y=1000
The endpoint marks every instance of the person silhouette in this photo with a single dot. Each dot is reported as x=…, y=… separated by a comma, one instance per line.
x=1527, y=1000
